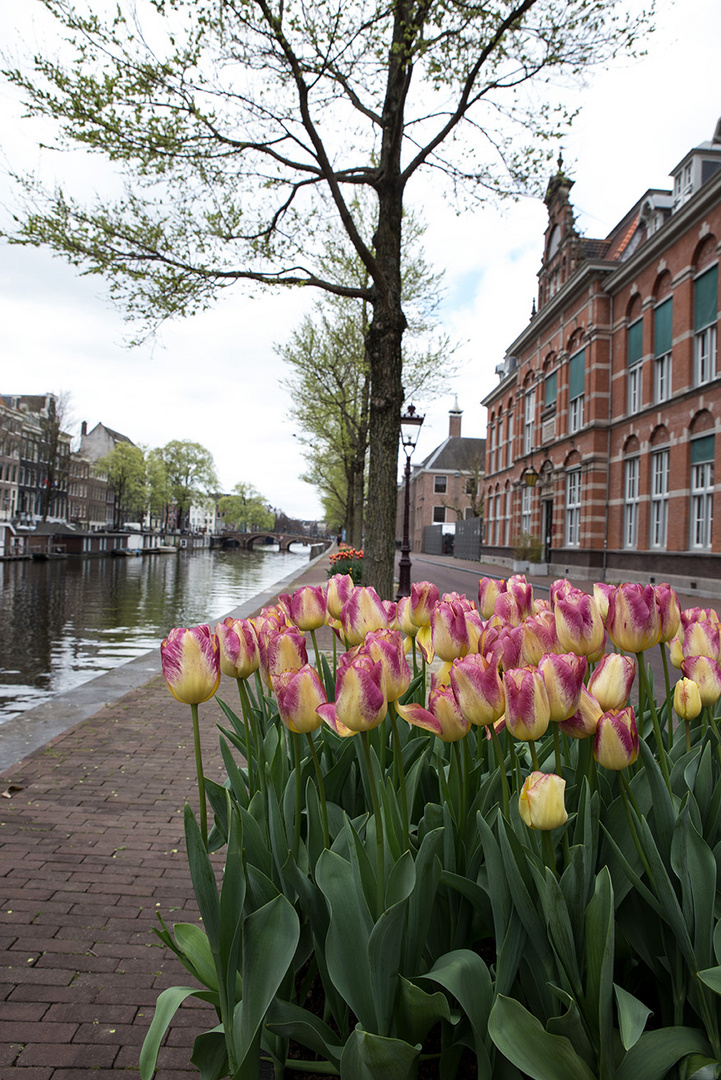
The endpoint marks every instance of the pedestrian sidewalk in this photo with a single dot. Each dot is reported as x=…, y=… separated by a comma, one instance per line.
x=91, y=848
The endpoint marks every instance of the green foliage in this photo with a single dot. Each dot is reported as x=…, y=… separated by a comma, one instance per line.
x=528, y=548
x=190, y=474
x=246, y=509
x=125, y=468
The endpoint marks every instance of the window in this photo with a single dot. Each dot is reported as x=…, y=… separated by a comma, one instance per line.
x=630, y=503
x=498, y=450
x=550, y=387
x=635, y=353
x=439, y=485
x=526, y=509
x=662, y=337
x=702, y=458
x=529, y=418
x=510, y=439
x=576, y=387
x=573, y=508
x=507, y=540
x=439, y=514
x=705, y=317
x=659, y=498
x=498, y=517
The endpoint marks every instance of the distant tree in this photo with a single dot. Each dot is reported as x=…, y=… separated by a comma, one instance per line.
x=157, y=489
x=246, y=510
x=55, y=450
x=244, y=126
x=125, y=470
x=190, y=472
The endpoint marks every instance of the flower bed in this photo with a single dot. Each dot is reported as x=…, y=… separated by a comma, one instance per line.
x=506, y=868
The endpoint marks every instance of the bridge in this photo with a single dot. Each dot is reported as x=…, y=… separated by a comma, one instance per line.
x=248, y=540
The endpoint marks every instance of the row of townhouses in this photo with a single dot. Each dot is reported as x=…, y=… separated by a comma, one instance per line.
x=604, y=428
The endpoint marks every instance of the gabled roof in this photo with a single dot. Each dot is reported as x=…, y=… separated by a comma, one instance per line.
x=457, y=453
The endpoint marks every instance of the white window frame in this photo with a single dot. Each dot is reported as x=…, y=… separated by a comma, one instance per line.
x=498, y=517
x=498, y=449
x=662, y=378
x=529, y=420
x=573, y=508
x=436, y=520
x=510, y=439
x=634, y=388
x=631, y=488
x=526, y=509
x=659, y=499
x=507, y=540
x=704, y=355
x=701, y=505
x=440, y=490
x=575, y=414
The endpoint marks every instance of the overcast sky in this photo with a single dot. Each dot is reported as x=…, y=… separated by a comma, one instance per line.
x=214, y=378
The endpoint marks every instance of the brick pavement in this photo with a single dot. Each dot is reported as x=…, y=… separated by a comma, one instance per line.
x=91, y=846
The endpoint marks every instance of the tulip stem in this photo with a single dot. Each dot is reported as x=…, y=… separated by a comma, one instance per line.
x=688, y=734
x=248, y=743
x=380, y=855
x=295, y=738
x=317, y=654
x=502, y=767
x=549, y=855
x=557, y=748
x=321, y=788
x=461, y=788
x=626, y=795
x=201, y=778
x=654, y=719
x=662, y=647
x=534, y=755
x=399, y=771
x=255, y=732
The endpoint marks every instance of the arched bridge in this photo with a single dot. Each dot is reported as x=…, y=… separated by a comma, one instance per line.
x=248, y=540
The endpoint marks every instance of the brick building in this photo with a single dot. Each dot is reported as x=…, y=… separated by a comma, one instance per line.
x=446, y=486
x=602, y=429
x=34, y=459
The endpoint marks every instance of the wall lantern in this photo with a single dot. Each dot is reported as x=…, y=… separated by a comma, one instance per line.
x=529, y=476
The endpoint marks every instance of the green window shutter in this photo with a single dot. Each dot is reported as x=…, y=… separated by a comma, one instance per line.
x=662, y=328
x=635, y=342
x=550, y=387
x=702, y=449
x=705, y=299
x=577, y=375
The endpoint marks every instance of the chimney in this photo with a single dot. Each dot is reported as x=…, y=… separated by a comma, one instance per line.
x=454, y=421
x=84, y=428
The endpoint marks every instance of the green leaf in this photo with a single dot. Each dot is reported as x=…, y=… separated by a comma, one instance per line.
x=523, y=1040
x=368, y=1057
x=656, y=1051
x=168, y=1003
x=416, y=1011
x=464, y=974
x=421, y=905
x=711, y=977
x=632, y=1016
x=210, y=1055
x=203, y=878
x=290, y=1021
x=193, y=943
x=386, y=942
x=600, y=940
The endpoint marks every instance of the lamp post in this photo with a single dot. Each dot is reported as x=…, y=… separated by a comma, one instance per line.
x=410, y=429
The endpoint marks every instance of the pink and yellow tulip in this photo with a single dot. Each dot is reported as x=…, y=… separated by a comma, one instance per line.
x=615, y=745
x=707, y=674
x=299, y=693
x=612, y=680
x=563, y=675
x=239, y=650
x=478, y=689
x=360, y=696
x=443, y=717
x=578, y=624
x=541, y=802
x=528, y=711
x=362, y=612
x=386, y=646
x=634, y=620
x=190, y=660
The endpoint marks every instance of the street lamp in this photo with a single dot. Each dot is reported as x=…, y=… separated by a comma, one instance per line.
x=529, y=476
x=410, y=430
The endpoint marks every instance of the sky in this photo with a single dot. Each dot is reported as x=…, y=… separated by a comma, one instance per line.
x=215, y=378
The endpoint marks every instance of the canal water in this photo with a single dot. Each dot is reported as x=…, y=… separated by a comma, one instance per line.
x=65, y=621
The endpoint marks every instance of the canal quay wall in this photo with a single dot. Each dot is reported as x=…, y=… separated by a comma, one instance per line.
x=92, y=849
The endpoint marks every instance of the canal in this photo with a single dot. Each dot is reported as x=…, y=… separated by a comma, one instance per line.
x=66, y=621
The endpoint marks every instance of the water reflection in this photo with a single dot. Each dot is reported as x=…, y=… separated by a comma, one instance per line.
x=62, y=622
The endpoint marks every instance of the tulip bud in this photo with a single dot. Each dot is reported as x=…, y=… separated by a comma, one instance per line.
x=340, y=586
x=284, y=651
x=584, y=721
x=362, y=612
x=308, y=607
x=616, y=741
x=299, y=693
x=386, y=646
x=669, y=611
x=634, y=621
x=424, y=597
x=360, y=698
x=601, y=594
x=563, y=678
x=687, y=699
x=539, y=638
x=527, y=708
x=508, y=609
x=449, y=630
x=578, y=623
x=541, y=803
x=190, y=659
x=478, y=689
x=612, y=680
x=489, y=589
x=523, y=592
x=442, y=717
x=239, y=652
x=675, y=651
x=707, y=673
x=701, y=638
x=403, y=617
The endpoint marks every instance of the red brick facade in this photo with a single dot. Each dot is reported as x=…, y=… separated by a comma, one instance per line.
x=612, y=393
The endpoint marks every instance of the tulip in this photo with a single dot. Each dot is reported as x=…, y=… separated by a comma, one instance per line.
x=442, y=717
x=687, y=699
x=701, y=638
x=612, y=680
x=675, y=651
x=362, y=612
x=527, y=708
x=601, y=594
x=538, y=638
x=697, y=614
x=360, y=698
x=584, y=721
x=541, y=803
x=559, y=588
x=489, y=589
x=669, y=611
x=510, y=647
x=523, y=592
x=563, y=678
x=386, y=646
x=424, y=597
x=449, y=630
x=578, y=623
x=404, y=621
x=634, y=621
x=615, y=744
x=239, y=651
x=340, y=586
x=307, y=607
x=508, y=609
x=299, y=693
x=190, y=660
x=478, y=689
x=284, y=650
x=707, y=673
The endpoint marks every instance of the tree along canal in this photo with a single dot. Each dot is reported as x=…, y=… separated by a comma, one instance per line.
x=65, y=621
